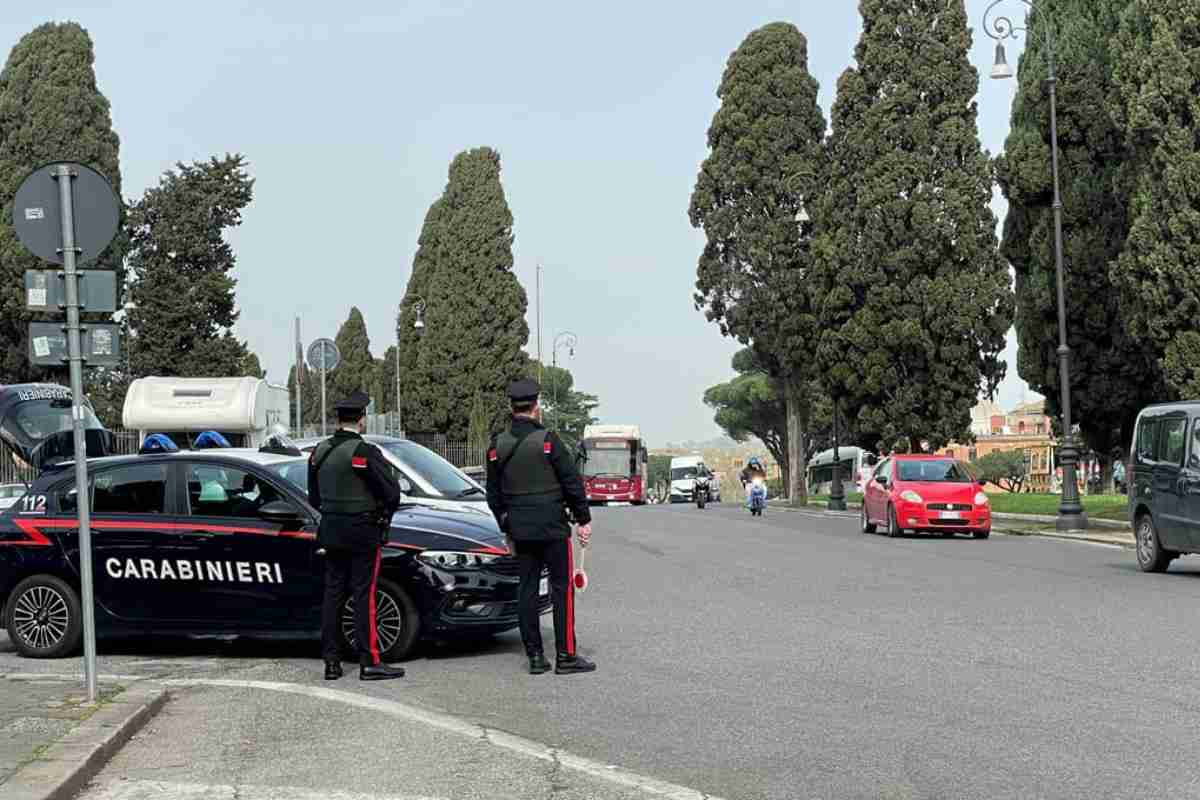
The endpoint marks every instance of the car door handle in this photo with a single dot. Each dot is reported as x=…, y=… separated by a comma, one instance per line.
x=203, y=534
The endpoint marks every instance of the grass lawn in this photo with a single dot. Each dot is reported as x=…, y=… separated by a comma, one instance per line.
x=1104, y=506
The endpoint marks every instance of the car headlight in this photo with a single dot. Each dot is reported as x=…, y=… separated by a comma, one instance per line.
x=981, y=499
x=911, y=496
x=453, y=559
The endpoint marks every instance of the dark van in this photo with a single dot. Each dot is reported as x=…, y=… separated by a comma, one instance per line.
x=1164, y=483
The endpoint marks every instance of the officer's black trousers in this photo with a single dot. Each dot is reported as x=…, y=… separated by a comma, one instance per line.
x=556, y=556
x=350, y=572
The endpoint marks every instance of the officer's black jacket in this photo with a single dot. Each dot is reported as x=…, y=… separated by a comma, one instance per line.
x=357, y=530
x=542, y=521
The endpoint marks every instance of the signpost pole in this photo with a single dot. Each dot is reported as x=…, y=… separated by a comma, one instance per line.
x=64, y=176
x=299, y=382
x=323, y=414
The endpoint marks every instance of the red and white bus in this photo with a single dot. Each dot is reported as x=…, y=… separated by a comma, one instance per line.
x=614, y=470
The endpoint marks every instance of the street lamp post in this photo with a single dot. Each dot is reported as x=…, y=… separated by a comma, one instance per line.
x=569, y=339
x=837, y=492
x=1071, y=515
x=419, y=327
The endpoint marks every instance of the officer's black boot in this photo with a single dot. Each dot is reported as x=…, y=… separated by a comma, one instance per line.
x=572, y=665
x=379, y=672
x=333, y=670
x=538, y=664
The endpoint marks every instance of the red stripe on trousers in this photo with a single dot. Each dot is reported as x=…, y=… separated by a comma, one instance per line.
x=570, y=598
x=374, y=635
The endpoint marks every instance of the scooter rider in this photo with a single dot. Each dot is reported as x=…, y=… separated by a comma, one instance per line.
x=754, y=469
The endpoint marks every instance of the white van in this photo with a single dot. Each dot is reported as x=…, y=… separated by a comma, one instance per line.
x=684, y=470
x=246, y=411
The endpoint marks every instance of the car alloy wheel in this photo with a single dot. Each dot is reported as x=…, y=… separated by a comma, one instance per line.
x=1150, y=555
x=389, y=622
x=893, y=523
x=41, y=617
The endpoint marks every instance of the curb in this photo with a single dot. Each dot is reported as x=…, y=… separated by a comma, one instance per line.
x=1071, y=537
x=67, y=765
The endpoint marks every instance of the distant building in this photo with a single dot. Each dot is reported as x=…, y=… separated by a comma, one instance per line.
x=1025, y=428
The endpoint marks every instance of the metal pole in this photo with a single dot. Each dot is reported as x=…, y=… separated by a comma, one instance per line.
x=399, y=412
x=66, y=201
x=299, y=382
x=837, y=492
x=323, y=414
x=539, y=320
x=1071, y=515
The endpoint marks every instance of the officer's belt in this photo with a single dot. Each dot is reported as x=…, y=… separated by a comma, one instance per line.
x=532, y=500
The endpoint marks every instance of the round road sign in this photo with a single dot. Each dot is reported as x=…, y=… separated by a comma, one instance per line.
x=37, y=216
x=323, y=353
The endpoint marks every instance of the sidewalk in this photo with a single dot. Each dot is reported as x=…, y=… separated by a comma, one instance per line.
x=1101, y=531
x=52, y=741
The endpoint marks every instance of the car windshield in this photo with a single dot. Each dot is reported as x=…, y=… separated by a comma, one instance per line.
x=609, y=461
x=294, y=472
x=939, y=471
x=684, y=473
x=439, y=473
x=38, y=419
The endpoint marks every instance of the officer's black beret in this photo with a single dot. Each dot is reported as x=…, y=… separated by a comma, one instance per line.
x=523, y=391
x=354, y=404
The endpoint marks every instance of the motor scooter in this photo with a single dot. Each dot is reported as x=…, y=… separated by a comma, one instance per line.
x=758, y=497
x=700, y=491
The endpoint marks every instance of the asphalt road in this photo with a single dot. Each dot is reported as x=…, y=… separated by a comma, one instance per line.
x=787, y=657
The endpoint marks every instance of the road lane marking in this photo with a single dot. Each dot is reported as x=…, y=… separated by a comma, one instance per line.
x=154, y=790
x=609, y=773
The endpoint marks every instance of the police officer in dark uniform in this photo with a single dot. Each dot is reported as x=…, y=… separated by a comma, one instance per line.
x=352, y=485
x=530, y=476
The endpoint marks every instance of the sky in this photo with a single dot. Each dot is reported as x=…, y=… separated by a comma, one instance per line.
x=349, y=115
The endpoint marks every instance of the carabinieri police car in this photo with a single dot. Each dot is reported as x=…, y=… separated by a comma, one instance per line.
x=223, y=542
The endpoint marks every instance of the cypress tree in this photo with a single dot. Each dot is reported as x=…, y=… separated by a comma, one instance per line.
x=917, y=300
x=356, y=371
x=181, y=269
x=414, y=387
x=50, y=110
x=1111, y=376
x=766, y=160
x=1158, y=75
x=474, y=306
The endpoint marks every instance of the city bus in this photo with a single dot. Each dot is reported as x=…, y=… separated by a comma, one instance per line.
x=855, y=470
x=613, y=464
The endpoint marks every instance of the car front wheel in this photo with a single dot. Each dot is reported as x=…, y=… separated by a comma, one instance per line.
x=893, y=523
x=867, y=525
x=1151, y=556
x=44, y=618
x=396, y=622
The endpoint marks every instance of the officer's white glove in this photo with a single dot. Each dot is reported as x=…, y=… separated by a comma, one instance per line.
x=585, y=534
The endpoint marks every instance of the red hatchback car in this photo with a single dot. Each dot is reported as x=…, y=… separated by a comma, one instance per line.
x=925, y=493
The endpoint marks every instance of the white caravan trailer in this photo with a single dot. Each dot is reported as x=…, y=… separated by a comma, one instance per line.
x=246, y=411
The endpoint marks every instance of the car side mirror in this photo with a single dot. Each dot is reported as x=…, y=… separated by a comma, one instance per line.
x=881, y=480
x=280, y=511
x=406, y=486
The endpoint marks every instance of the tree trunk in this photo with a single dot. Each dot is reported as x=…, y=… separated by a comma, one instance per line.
x=796, y=395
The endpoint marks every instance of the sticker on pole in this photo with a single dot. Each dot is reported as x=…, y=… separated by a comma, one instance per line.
x=41, y=346
x=35, y=213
